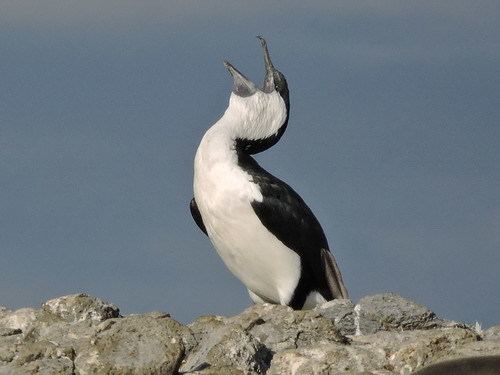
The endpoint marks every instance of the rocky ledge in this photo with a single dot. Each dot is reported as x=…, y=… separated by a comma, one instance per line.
x=382, y=334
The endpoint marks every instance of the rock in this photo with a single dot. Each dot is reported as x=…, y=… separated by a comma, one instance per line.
x=492, y=333
x=22, y=355
x=205, y=325
x=79, y=307
x=384, y=312
x=4, y=331
x=229, y=346
x=44, y=366
x=261, y=330
x=382, y=334
x=219, y=371
x=19, y=319
x=383, y=352
x=411, y=350
x=326, y=359
x=75, y=334
x=341, y=312
x=280, y=327
x=137, y=344
x=8, y=346
x=477, y=348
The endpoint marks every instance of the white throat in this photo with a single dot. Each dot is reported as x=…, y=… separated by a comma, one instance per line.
x=253, y=117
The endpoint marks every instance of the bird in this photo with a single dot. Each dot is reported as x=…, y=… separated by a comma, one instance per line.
x=262, y=229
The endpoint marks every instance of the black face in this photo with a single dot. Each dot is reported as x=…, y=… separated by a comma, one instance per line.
x=279, y=81
x=281, y=87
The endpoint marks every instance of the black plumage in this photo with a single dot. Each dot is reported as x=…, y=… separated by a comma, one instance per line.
x=195, y=213
x=284, y=213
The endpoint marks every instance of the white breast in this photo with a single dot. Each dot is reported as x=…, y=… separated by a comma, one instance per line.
x=223, y=192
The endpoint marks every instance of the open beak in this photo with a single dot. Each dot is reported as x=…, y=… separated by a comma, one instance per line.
x=269, y=79
x=242, y=86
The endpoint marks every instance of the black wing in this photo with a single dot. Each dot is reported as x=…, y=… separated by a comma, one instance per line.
x=195, y=213
x=287, y=216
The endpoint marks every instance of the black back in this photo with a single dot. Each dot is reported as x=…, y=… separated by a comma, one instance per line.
x=284, y=213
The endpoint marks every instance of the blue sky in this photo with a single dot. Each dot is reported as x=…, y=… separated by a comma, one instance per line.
x=393, y=141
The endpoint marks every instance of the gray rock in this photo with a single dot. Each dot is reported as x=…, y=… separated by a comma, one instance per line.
x=382, y=334
x=380, y=353
x=44, y=366
x=20, y=319
x=327, y=359
x=230, y=347
x=79, y=307
x=137, y=344
x=23, y=355
x=219, y=371
x=261, y=330
x=8, y=346
x=280, y=327
x=411, y=350
x=75, y=334
x=341, y=312
x=386, y=312
x=476, y=349
x=492, y=333
x=204, y=325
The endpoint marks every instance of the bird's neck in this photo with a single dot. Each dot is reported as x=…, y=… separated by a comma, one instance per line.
x=249, y=125
x=217, y=169
x=219, y=142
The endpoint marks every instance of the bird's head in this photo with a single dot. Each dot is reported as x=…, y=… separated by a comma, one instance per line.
x=274, y=80
x=262, y=113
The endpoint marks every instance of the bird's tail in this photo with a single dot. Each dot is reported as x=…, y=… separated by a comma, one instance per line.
x=333, y=276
